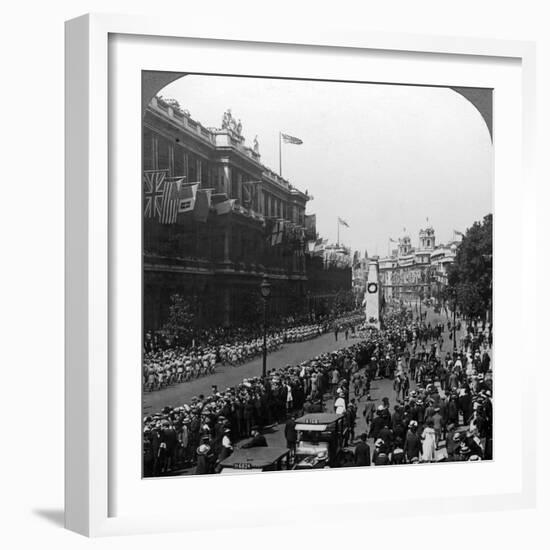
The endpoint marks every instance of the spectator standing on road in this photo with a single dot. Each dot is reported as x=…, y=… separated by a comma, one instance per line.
x=203, y=458
x=397, y=386
x=290, y=435
x=429, y=444
x=352, y=418
x=369, y=412
x=413, y=445
x=362, y=451
x=340, y=404
x=335, y=378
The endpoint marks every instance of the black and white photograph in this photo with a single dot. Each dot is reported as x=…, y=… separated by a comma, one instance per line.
x=317, y=275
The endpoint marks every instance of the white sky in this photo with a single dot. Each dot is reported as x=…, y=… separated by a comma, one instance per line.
x=382, y=157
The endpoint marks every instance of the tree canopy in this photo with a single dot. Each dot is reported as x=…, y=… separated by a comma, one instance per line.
x=471, y=276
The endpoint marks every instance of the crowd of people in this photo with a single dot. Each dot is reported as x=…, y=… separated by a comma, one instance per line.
x=209, y=425
x=447, y=416
x=164, y=366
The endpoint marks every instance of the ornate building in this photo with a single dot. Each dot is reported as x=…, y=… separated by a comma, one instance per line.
x=410, y=273
x=251, y=222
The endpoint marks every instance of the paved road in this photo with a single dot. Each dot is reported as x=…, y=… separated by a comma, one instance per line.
x=227, y=376
x=379, y=389
x=294, y=353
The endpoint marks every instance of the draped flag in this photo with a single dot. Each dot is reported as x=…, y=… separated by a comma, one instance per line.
x=202, y=204
x=343, y=222
x=277, y=232
x=153, y=188
x=169, y=207
x=225, y=207
x=218, y=197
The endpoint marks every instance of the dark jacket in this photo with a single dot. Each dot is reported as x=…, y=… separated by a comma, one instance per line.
x=362, y=454
x=377, y=424
x=290, y=431
x=413, y=445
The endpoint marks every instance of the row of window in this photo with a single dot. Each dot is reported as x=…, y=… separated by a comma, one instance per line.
x=159, y=153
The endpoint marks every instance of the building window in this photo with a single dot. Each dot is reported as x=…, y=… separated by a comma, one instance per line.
x=148, y=150
x=163, y=153
x=191, y=168
x=179, y=164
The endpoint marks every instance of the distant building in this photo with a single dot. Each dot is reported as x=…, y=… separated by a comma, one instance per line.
x=412, y=272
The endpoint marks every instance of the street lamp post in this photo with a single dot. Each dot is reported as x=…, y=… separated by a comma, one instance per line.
x=265, y=291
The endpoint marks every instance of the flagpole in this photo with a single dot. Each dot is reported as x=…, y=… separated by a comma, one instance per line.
x=280, y=158
x=338, y=232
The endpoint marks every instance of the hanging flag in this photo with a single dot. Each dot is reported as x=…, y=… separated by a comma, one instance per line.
x=225, y=207
x=311, y=226
x=392, y=240
x=277, y=232
x=343, y=222
x=291, y=139
x=218, y=197
x=169, y=208
x=153, y=187
x=187, y=195
x=202, y=204
x=456, y=232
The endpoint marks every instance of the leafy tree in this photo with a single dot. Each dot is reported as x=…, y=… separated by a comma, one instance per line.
x=181, y=318
x=471, y=276
x=252, y=309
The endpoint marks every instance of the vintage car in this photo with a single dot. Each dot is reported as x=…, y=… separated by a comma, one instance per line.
x=321, y=440
x=255, y=460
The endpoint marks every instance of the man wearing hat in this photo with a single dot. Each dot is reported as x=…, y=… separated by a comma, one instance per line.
x=377, y=422
x=204, y=458
x=362, y=451
x=413, y=445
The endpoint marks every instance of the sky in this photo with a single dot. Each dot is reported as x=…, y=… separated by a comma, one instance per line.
x=382, y=157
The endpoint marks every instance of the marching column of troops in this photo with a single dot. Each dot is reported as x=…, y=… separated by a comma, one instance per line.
x=447, y=416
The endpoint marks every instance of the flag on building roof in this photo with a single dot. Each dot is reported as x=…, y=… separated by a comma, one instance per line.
x=291, y=139
x=153, y=191
x=343, y=222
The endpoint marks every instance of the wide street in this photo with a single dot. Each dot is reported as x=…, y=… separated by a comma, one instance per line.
x=288, y=354
x=379, y=388
x=227, y=376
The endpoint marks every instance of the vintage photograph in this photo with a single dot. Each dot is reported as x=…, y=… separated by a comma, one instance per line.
x=317, y=274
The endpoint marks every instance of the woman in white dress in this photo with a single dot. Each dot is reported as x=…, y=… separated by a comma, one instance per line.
x=429, y=444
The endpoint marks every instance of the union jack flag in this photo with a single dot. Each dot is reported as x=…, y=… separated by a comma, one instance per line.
x=153, y=189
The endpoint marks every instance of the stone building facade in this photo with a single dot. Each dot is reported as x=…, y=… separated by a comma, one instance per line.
x=410, y=273
x=219, y=260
